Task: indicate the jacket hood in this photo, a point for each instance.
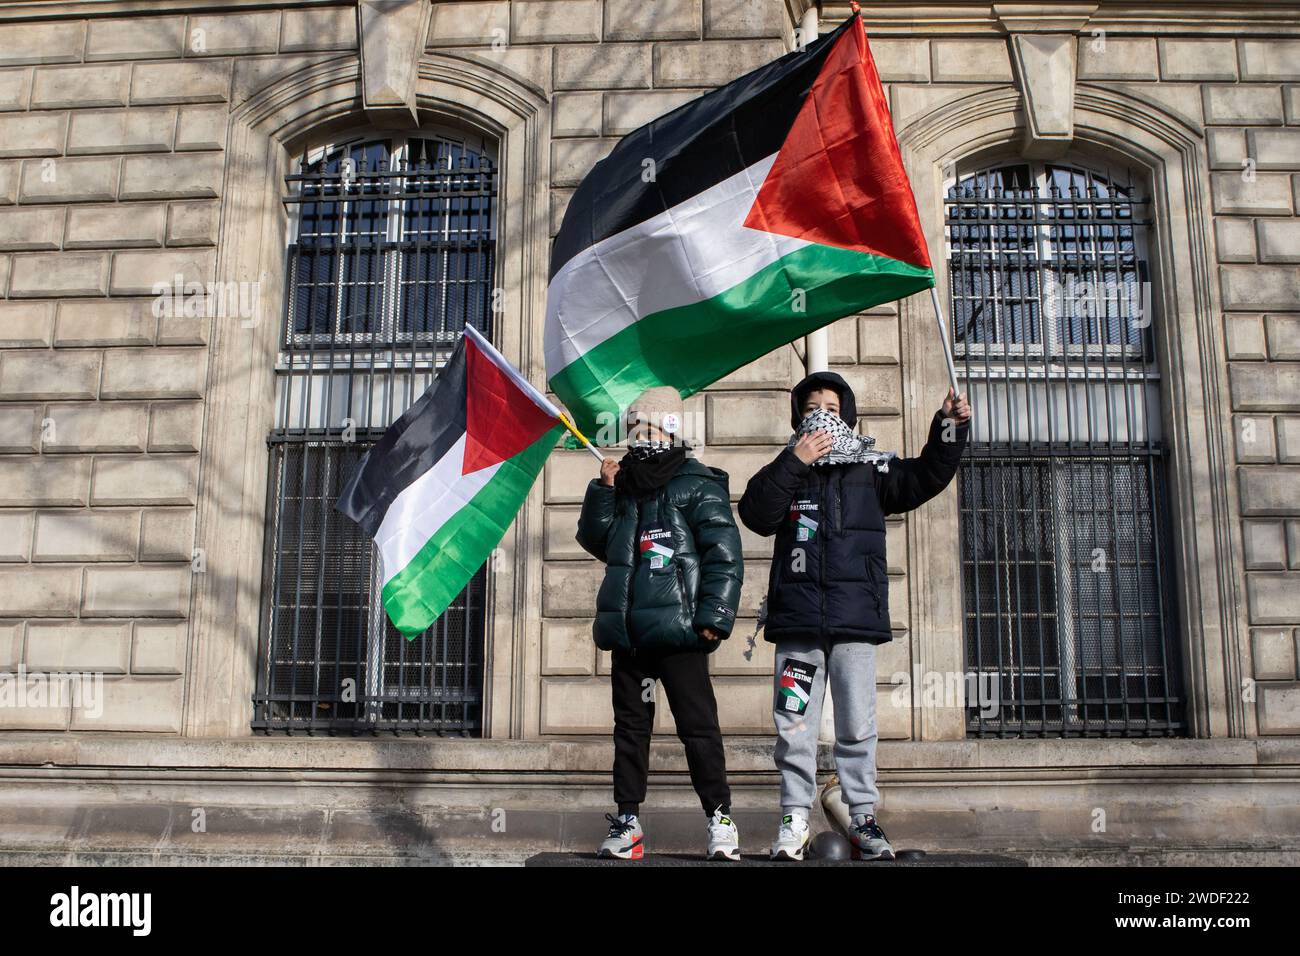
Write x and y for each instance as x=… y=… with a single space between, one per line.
x=693 y=466
x=815 y=382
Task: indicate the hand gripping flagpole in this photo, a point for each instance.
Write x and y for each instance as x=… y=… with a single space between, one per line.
x=581 y=437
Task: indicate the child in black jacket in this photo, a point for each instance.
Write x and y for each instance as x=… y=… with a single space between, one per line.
x=825 y=498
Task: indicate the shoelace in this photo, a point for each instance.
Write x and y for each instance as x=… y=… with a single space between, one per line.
x=787 y=829
x=872 y=829
x=618 y=826
x=720 y=824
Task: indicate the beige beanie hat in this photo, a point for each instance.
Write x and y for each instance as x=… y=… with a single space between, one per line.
x=661 y=407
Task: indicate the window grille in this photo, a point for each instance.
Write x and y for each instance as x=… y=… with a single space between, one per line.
x=392 y=253
x=1068 y=623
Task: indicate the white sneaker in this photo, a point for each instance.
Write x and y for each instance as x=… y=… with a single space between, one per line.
x=724 y=838
x=792 y=838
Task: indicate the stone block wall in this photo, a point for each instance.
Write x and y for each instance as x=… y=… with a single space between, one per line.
x=113 y=138
x=1243 y=94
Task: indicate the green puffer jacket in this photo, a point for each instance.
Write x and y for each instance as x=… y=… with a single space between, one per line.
x=672 y=561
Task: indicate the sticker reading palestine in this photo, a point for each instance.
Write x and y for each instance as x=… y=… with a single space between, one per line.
x=796 y=686
x=654 y=547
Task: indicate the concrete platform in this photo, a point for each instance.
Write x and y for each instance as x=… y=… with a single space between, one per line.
x=758 y=859
x=114 y=799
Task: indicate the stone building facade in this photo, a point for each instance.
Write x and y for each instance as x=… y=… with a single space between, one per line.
x=143 y=141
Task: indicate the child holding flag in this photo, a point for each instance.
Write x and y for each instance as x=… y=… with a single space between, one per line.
x=825 y=497
x=662 y=524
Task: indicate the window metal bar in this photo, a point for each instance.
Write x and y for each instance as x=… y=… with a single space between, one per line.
x=1123 y=318
x=990 y=234
x=326 y=473
x=1089 y=225
x=1042 y=521
x=367 y=309
x=1104 y=314
x=1074 y=254
x=305 y=423
x=1023 y=288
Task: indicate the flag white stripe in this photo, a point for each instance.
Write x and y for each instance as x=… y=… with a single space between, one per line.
x=692 y=252
x=424 y=506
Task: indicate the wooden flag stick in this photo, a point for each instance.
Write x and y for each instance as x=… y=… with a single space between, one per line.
x=581 y=437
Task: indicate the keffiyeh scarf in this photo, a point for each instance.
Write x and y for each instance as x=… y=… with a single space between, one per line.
x=846 y=447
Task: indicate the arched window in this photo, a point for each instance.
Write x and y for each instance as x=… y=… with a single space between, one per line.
x=1067 y=610
x=392 y=252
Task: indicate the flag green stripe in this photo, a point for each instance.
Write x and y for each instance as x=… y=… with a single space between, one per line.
x=694 y=345
x=422 y=590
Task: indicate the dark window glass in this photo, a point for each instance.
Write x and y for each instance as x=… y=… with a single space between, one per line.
x=1068 y=623
x=393 y=254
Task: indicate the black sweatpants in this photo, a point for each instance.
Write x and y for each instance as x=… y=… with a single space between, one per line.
x=685 y=677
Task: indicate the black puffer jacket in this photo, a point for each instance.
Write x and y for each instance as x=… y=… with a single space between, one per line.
x=672 y=561
x=828 y=577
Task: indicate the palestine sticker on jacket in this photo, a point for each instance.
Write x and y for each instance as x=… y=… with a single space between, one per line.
x=656 y=547
x=796 y=686
x=444 y=482
x=805 y=525
x=678 y=251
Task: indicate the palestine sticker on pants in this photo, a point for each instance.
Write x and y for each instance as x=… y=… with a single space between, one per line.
x=796 y=686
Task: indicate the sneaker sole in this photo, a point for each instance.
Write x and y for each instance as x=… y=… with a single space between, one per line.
x=794 y=856
x=857 y=854
x=632 y=853
x=732 y=854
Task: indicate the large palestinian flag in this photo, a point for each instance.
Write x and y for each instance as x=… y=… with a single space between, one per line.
x=732 y=225
x=441 y=486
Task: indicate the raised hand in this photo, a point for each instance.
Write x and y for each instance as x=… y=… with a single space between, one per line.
x=956 y=407
x=608 y=469
x=812 y=446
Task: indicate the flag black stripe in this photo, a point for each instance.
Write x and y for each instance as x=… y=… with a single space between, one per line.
x=696 y=146
x=412 y=445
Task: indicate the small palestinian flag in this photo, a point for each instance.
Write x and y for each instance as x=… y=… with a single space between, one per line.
x=657 y=554
x=734 y=224
x=439 y=489
x=805 y=527
x=796 y=686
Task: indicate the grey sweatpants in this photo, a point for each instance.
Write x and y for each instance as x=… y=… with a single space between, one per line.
x=801 y=672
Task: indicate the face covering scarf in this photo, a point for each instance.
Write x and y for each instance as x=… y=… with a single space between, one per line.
x=647 y=466
x=846 y=447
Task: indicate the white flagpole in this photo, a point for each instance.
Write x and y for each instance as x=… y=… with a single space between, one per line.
x=943 y=337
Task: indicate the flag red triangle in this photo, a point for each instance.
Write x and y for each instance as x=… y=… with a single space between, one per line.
x=838 y=179
x=500 y=419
